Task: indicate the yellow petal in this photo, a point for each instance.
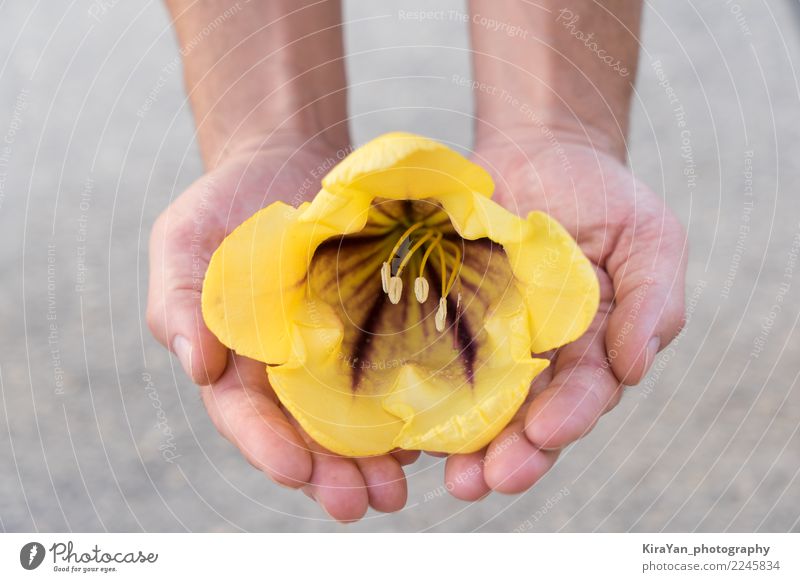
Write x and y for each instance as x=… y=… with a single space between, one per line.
x=442 y=415
x=404 y=166
x=475 y=217
x=557 y=280
x=255 y=281
x=318 y=392
x=385 y=377
x=361 y=375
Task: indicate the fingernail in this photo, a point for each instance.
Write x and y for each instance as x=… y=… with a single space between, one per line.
x=652 y=350
x=183 y=349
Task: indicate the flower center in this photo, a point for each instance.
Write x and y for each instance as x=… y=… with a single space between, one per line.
x=428 y=241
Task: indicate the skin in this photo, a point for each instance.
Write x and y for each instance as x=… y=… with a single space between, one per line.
x=268 y=94
x=636 y=244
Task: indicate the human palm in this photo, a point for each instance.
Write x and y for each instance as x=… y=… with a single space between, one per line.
x=639 y=251
x=624 y=229
x=235 y=389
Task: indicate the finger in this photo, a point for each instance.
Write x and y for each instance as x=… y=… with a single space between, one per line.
x=648 y=266
x=242 y=407
x=512 y=463
x=582 y=389
x=174 y=316
x=337 y=485
x=405 y=457
x=463 y=476
x=386 y=482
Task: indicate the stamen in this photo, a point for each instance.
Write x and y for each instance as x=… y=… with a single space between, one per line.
x=443 y=267
x=438 y=237
x=441 y=315
x=456 y=265
x=421 y=289
x=386 y=272
x=434 y=241
x=414 y=248
x=403 y=238
x=395 y=289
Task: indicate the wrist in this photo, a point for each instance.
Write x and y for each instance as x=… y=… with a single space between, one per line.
x=263 y=68
x=568 y=68
x=273 y=102
x=550 y=132
x=286 y=143
x=285 y=131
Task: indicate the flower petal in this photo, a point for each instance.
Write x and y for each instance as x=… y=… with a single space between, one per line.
x=380 y=376
x=442 y=416
x=254 y=281
x=318 y=393
x=558 y=282
x=361 y=375
x=405 y=166
x=475 y=217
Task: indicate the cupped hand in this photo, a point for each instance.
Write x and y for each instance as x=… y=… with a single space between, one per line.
x=235 y=389
x=639 y=250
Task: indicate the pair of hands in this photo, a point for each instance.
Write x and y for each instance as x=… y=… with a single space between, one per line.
x=634 y=241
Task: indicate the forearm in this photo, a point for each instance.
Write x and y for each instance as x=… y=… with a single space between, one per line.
x=257 y=67
x=569 y=66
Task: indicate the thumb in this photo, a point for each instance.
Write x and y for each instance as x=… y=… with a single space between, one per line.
x=177 y=267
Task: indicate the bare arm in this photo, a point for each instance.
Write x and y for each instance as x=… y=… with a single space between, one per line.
x=256 y=67
x=572 y=62
x=267 y=87
x=554 y=82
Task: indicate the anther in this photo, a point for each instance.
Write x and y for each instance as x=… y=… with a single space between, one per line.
x=441 y=315
x=395 y=289
x=386 y=272
x=421 y=288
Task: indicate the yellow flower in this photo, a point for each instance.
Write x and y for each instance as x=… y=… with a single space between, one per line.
x=400 y=307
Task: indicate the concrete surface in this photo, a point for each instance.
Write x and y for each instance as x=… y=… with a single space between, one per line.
x=709 y=442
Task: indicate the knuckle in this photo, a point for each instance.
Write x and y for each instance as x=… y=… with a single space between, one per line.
x=155 y=320
x=678 y=325
x=157 y=231
x=674 y=315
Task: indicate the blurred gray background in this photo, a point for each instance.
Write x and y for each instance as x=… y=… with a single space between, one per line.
x=97 y=138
